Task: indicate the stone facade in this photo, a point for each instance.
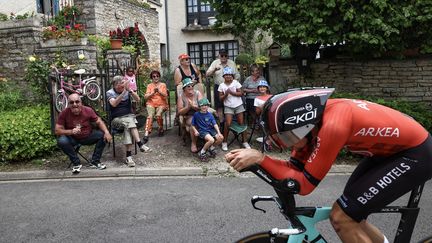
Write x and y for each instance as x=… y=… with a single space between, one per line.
x=408 y=79
x=21 y=38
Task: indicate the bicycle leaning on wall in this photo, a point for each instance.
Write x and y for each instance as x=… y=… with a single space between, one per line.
x=87 y=87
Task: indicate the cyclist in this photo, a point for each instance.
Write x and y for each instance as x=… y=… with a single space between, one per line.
x=398 y=153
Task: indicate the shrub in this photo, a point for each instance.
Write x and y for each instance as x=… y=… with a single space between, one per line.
x=25 y=133
x=36 y=73
x=11 y=98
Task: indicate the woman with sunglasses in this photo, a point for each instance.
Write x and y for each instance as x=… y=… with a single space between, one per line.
x=156 y=102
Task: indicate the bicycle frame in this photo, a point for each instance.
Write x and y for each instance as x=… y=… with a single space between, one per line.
x=302 y=220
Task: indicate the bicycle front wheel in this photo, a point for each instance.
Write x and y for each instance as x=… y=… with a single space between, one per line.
x=92 y=90
x=60 y=102
x=263 y=237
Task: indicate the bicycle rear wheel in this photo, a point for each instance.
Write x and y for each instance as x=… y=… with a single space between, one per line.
x=92 y=90
x=60 y=102
x=263 y=237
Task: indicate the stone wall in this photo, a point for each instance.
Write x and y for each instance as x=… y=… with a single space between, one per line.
x=101 y=16
x=409 y=79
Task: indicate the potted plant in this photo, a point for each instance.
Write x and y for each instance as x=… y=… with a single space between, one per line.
x=116 y=39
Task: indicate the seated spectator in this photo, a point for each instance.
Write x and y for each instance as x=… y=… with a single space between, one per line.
x=123 y=117
x=74 y=127
x=250 y=88
x=187 y=105
x=263 y=96
x=156 y=102
x=204 y=125
x=230 y=93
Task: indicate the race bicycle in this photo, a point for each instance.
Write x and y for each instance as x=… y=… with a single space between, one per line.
x=302 y=220
x=87 y=87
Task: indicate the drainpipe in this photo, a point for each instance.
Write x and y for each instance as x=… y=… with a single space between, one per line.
x=166 y=30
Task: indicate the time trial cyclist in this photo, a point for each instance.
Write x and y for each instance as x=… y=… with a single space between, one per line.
x=397 y=150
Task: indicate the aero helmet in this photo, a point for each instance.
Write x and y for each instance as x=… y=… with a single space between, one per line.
x=288 y=117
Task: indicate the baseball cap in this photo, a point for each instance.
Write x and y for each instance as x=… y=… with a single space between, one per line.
x=183 y=56
x=203 y=101
x=263 y=83
x=223 y=51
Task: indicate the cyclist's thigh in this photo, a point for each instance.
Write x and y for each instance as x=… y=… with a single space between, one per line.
x=391 y=178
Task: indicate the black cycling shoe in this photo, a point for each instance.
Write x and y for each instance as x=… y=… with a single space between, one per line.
x=145 y=139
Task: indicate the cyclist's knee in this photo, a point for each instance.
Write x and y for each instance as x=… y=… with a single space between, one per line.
x=338 y=218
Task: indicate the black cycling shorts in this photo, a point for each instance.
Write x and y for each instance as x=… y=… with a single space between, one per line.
x=378 y=181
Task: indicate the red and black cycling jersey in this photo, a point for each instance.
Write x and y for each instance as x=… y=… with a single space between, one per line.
x=361 y=127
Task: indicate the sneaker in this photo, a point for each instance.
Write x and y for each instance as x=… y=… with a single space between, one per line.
x=260 y=139
x=203 y=157
x=99 y=166
x=145 y=140
x=144 y=148
x=246 y=145
x=224 y=146
x=130 y=162
x=76 y=169
x=212 y=153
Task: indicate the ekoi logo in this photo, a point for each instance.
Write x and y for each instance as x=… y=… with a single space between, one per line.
x=307 y=116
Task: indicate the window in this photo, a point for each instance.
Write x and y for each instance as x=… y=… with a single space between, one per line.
x=198 y=12
x=205 y=52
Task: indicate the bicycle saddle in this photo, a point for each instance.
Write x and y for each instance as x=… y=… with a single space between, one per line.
x=80 y=71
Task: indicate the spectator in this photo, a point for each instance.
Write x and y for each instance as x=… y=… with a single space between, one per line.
x=130 y=76
x=74 y=127
x=204 y=125
x=187 y=105
x=230 y=93
x=156 y=102
x=123 y=117
x=216 y=70
x=250 y=88
x=263 y=96
x=186 y=69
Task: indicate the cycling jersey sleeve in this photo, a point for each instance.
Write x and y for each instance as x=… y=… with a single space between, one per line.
x=317 y=161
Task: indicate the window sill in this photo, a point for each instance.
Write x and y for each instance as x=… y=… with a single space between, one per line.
x=195 y=28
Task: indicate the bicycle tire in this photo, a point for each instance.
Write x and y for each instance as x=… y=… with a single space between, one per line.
x=92 y=90
x=262 y=237
x=60 y=102
x=426 y=240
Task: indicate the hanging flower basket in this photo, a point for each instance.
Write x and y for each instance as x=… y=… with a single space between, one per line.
x=116 y=44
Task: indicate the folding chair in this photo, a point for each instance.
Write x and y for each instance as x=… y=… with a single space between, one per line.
x=115 y=131
x=77 y=148
x=237 y=130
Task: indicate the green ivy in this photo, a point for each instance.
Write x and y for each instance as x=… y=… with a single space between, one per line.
x=25 y=134
x=36 y=73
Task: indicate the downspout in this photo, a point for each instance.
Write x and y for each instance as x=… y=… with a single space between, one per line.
x=166 y=30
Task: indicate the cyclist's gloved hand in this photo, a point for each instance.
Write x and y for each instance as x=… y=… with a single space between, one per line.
x=240 y=159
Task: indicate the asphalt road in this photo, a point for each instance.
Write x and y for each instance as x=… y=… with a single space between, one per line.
x=193 y=209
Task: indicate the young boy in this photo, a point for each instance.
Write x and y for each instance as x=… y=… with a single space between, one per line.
x=204 y=125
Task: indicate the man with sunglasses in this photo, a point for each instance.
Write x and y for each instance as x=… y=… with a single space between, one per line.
x=397 y=151
x=74 y=126
x=216 y=71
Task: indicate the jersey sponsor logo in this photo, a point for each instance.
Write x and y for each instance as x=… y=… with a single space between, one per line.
x=378 y=132
x=315 y=151
x=304 y=117
x=384 y=182
x=361 y=104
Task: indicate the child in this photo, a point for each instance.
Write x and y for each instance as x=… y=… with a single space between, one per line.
x=204 y=125
x=231 y=94
x=130 y=76
x=263 y=96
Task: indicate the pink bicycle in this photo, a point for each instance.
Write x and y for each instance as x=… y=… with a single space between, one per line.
x=87 y=87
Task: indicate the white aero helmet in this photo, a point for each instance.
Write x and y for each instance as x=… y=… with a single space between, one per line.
x=288 y=117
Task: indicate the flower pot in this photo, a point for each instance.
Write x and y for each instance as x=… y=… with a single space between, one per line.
x=116 y=44
x=63 y=42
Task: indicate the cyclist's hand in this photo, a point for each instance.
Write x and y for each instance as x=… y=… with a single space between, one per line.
x=240 y=159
